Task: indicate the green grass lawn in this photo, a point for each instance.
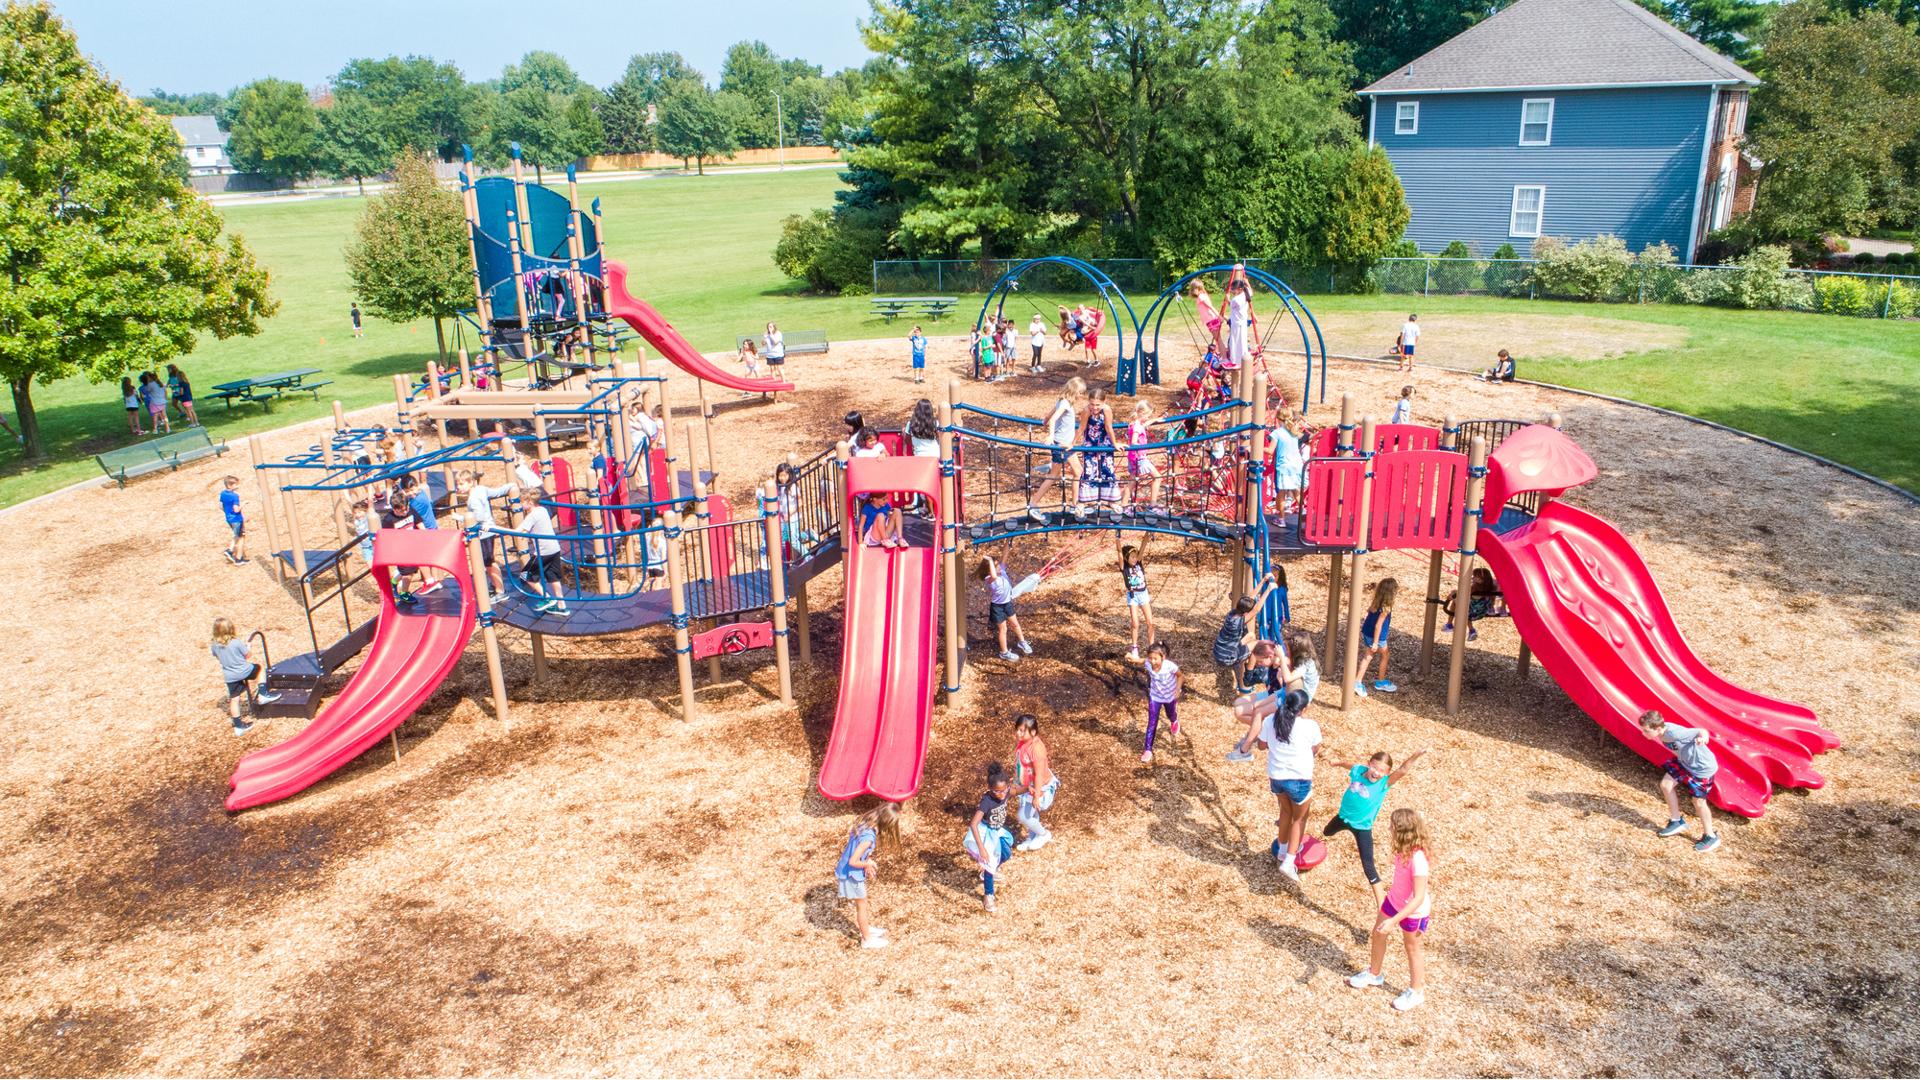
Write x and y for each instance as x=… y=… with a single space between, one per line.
x=700 y=250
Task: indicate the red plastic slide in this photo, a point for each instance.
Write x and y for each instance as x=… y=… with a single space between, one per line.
x=667 y=341
x=880 y=727
x=1585 y=602
x=413 y=651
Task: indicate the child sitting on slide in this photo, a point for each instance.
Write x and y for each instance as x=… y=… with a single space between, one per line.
x=880 y=521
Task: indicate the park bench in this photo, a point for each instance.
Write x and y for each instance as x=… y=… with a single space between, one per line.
x=165 y=452
x=797 y=341
x=930 y=306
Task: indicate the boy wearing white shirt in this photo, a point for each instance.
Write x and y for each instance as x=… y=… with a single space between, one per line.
x=1409 y=333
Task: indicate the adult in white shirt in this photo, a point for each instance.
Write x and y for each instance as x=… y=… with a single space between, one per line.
x=1293 y=742
x=1409 y=334
x=544 y=569
x=1037 y=337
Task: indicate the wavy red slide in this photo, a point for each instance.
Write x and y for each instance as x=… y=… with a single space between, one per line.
x=667 y=341
x=1586 y=604
x=412 y=653
x=885 y=714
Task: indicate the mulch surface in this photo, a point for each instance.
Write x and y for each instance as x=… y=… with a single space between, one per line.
x=607 y=888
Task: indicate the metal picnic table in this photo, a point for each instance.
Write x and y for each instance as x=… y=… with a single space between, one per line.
x=264 y=388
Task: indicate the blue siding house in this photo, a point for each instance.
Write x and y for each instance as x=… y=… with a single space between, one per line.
x=1565 y=118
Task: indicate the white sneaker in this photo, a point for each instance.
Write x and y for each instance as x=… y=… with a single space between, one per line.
x=1289 y=869
x=1025 y=648
x=1009 y=654
x=1360 y=689
x=1365 y=980
x=266 y=697
x=1024 y=845
x=1408 y=999
x=874 y=941
x=1133 y=654
x=1043 y=841
x=1238 y=754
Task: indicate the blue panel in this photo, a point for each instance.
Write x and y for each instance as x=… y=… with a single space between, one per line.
x=1625 y=162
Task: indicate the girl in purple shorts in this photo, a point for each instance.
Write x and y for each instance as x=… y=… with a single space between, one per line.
x=1410 y=904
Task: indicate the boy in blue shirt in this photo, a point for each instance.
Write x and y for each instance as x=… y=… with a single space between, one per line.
x=1692 y=766
x=236 y=552
x=918 y=342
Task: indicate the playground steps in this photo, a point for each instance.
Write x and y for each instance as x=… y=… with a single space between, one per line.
x=300 y=680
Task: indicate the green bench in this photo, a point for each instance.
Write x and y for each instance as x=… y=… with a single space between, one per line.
x=797 y=341
x=895 y=306
x=165 y=452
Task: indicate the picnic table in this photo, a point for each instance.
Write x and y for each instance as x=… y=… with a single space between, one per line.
x=931 y=306
x=264 y=388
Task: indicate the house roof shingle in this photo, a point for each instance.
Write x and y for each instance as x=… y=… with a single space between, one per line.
x=199 y=131
x=1565 y=43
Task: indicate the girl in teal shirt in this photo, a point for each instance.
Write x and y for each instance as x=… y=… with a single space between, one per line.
x=1366 y=793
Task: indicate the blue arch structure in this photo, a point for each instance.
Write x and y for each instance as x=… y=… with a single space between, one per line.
x=551 y=225
x=1312 y=343
x=1127 y=375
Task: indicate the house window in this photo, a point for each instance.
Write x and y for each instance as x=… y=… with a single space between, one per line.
x=1536 y=122
x=1721 y=210
x=1529 y=210
x=1406 y=118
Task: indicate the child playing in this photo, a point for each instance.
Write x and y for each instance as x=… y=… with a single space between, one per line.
x=917 y=344
x=1062 y=428
x=363 y=525
x=154 y=393
x=1410 y=903
x=1366 y=792
x=240 y=672
x=1001 y=593
x=1403 y=408
x=472 y=485
x=1502 y=369
x=1037 y=338
x=987 y=839
x=1373 y=637
x=1097 y=482
x=543 y=567
x=1140 y=463
x=1692 y=766
x=1033 y=772
x=880 y=825
x=399 y=515
x=750 y=361
x=1133 y=578
x=1289 y=463
x=236 y=552
x=988 y=372
x=1292 y=739
x=1480 y=601
x=880 y=521
x=131 y=397
x=1409 y=334
x=1234 y=644
x=182 y=393
x=1164 y=684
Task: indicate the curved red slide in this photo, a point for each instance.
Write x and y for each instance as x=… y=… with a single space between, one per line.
x=412 y=652
x=880 y=726
x=1586 y=604
x=663 y=337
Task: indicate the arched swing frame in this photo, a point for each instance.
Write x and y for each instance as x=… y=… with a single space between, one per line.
x=1110 y=293
x=1312 y=343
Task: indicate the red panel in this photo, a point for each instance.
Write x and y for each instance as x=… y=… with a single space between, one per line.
x=1332 y=516
x=720 y=541
x=560 y=489
x=1419 y=500
x=1388 y=438
x=1324 y=444
x=657 y=475
x=733 y=638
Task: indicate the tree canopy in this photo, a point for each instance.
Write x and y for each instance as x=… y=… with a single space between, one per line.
x=352 y=142
x=409 y=258
x=274 y=129
x=112 y=264
x=695 y=123
x=422 y=103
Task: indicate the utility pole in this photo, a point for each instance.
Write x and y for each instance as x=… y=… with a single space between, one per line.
x=780 y=127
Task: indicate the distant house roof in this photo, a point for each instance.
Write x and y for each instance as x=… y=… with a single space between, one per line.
x=199 y=131
x=1565 y=44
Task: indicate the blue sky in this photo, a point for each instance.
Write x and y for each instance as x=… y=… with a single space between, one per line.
x=190 y=45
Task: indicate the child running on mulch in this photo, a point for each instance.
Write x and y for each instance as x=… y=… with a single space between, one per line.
x=1164 y=683
x=1360 y=805
x=858 y=862
x=988 y=840
x=1693 y=767
x=236 y=520
x=1410 y=903
x=1033 y=772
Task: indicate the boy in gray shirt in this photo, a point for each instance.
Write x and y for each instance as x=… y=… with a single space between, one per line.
x=1692 y=766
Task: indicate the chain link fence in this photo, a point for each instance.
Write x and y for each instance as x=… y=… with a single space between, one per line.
x=1877 y=296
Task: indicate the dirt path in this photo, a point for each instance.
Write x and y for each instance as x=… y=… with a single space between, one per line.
x=609 y=889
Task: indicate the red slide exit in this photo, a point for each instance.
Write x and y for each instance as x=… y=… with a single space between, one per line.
x=413 y=651
x=881 y=725
x=667 y=341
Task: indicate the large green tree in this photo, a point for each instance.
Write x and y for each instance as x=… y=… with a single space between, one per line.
x=274 y=130
x=422 y=103
x=353 y=143
x=204 y=103
x=1385 y=34
x=409 y=258
x=628 y=111
x=1835 y=124
x=696 y=124
x=112 y=265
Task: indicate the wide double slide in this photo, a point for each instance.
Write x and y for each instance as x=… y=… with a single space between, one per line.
x=1586 y=603
x=413 y=651
x=881 y=725
x=660 y=334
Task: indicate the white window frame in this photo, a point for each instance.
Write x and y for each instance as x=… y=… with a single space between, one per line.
x=1539 y=213
x=1400 y=113
x=1524 y=141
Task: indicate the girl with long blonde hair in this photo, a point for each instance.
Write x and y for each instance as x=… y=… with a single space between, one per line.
x=1409 y=903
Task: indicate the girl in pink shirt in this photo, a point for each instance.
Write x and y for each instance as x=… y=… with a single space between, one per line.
x=1410 y=903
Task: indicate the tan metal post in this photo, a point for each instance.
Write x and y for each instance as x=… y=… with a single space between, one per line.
x=949 y=541
x=1449 y=433
x=1356 y=594
x=520 y=204
x=519 y=293
x=269 y=494
x=1469 y=537
x=470 y=206
x=402 y=419
x=842 y=454
x=677 y=595
x=483 y=597
x=466 y=376
x=706 y=423
x=339 y=416
x=777 y=586
x=539 y=641
x=1342 y=447
x=296 y=547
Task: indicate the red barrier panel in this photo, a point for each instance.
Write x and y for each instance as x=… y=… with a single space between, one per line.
x=1419 y=500
x=1390 y=438
x=733 y=638
x=1332 y=514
